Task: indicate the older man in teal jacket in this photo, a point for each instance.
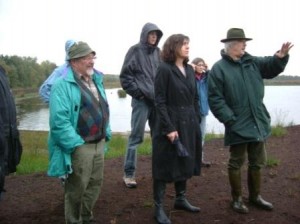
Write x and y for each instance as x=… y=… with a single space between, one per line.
x=235 y=95
x=79 y=127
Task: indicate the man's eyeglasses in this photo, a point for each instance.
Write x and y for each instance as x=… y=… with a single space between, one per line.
x=89 y=58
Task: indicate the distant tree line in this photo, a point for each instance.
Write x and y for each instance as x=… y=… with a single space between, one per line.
x=283 y=80
x=27 y=73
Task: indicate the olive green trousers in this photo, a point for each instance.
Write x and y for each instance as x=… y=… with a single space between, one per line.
x=256 y=155
x=83 y=186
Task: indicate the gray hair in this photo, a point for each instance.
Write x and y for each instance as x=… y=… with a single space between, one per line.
x=228 y=45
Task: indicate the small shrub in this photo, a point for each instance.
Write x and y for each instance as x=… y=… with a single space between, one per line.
x=280 y=117
x=278 y=129
x=121 y=93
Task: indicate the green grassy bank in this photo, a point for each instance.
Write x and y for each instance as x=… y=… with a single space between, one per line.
x=35 y=152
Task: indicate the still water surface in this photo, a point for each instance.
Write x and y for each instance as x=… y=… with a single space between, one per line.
x=283 y=103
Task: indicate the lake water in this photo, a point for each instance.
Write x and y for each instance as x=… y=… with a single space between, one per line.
x=283 y=103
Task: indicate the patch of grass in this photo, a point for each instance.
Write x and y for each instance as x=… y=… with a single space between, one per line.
x=35 y=154
x=33 y=163
x=211 y=136
x=271 y=162
x=35 y=150
x=34 y=140
x=118 y=144
x=146 y=147
x=278 y=131
x=116 y=147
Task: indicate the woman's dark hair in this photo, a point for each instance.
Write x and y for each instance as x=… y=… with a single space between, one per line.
x=172 y=46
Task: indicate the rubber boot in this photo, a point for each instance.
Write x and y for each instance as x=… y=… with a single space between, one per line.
x=181 y=202
x=254 y=180
x=237 y=203
x=159 y=188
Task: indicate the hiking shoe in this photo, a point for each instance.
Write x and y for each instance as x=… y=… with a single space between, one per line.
x=129 y=182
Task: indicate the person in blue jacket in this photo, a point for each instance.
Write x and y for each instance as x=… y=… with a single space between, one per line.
x=79 y=128
x=201 y=74
x=45 y=88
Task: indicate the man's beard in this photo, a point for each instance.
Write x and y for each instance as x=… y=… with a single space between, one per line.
x=90 y=71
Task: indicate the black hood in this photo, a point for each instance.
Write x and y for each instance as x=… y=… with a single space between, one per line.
x=148 y=27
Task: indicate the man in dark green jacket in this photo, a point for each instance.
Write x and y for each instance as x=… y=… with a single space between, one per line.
x=235 y=94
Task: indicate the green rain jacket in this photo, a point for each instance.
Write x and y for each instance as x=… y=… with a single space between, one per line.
x=64 y=111
x=236 y=92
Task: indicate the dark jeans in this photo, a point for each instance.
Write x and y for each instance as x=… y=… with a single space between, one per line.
x=141 y=113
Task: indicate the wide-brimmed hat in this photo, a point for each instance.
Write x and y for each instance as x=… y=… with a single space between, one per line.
x=79 y=49
x=235 y=34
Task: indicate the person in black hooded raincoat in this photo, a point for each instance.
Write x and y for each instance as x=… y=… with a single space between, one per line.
x=10 y=146
x=137 y=79
x=176 y=126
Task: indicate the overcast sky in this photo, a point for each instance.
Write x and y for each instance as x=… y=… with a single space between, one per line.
x=39 y=28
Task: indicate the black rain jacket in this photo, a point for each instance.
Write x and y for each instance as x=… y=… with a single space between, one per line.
x=140 y=64
x=10 y=146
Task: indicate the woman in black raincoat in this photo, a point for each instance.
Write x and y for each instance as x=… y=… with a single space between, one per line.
x=176 y=136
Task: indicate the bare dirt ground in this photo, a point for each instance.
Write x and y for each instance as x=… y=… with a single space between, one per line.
x=36 y=198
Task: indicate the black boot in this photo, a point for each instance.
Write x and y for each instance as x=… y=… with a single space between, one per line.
x=254 y=179
x=181 y=202
x=158 y=194
x=237 y=203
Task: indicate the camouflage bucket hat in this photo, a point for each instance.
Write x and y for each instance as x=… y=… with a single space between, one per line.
x=79 y=49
